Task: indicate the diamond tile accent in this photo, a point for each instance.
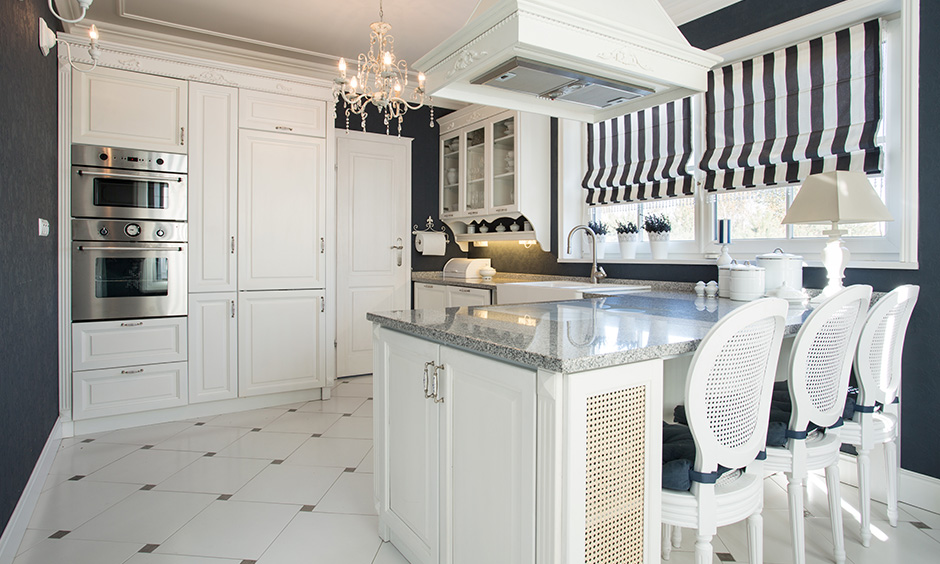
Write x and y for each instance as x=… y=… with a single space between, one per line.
x=148 y=548
x=200 y=423
x=725 y=556
x=148 y=487
x=920 y=525
x=88 y=441
x=59 y=534
x=76 y=478
x=256 y=430
x=146 y=447
x=308 y=508
x=225 y=497
x=277 y=462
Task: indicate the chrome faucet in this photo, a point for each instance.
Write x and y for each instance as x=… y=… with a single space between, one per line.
x=597 y=272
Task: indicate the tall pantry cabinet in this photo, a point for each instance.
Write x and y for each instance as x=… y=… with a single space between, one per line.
x=257 y=236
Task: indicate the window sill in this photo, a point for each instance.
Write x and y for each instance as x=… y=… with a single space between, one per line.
x=687 y=260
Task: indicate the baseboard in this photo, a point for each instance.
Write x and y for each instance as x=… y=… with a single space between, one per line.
x=913 y=488
x=16 y=527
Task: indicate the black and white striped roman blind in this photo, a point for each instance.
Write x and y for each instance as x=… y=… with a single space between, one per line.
x=640 y=156
x=810 y=108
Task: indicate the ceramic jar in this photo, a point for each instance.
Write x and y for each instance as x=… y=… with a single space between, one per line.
x=747 y=282
x=781 y=268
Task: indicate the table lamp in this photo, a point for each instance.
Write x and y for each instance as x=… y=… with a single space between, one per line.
x=834 y=198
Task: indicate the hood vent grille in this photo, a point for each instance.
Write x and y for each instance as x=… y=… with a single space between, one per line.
x=554 y=83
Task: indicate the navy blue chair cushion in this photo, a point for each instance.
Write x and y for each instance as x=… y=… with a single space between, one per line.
x=678 y=456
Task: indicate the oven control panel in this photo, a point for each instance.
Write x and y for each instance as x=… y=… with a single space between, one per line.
x=129 y=230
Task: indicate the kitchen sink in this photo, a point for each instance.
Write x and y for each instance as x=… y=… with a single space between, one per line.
x=554 y=290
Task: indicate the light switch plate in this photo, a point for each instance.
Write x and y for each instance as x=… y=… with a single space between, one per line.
x=43 y=227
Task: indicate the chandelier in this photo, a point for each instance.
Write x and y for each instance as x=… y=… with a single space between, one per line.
x=380 y=80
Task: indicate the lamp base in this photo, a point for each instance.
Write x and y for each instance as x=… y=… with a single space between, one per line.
x=835 y=256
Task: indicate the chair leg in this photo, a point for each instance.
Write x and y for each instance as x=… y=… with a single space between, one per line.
x=835 y=512
x=703 y=549
x=891 y=464
x=676 y=537
x=666 y=547
x=795 y=497
x=755 y=538
x=863 y=467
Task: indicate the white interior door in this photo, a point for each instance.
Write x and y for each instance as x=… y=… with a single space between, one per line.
x=373 y=201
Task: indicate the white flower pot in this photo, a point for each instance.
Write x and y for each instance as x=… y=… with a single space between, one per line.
x=627 y=245
x=659 y=245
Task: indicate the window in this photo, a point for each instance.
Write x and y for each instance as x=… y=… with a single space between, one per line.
x=757 y=211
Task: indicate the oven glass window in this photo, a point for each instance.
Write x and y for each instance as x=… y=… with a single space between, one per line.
x=125 y=193
x=131 y=277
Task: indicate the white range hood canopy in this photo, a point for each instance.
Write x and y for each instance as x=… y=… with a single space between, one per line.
x=588 y=60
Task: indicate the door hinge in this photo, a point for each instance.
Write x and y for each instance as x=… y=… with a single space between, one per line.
x=233 y=309
x=335 y=344
x=322 y=304
x=322 y=245
x=233 y=244
x=182 y=136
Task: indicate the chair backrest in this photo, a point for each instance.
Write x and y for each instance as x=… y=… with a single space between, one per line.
x=730 y=383
x=878 y=360
x=821 y=358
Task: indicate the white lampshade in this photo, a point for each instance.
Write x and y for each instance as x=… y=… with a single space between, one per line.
x=837 y=197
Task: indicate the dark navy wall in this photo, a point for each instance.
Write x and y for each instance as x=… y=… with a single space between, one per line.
x=920 y=450
x=29 y=383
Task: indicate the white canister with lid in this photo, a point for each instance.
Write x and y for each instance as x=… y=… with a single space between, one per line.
x=781 y=268
x=724 y=279
x=747 y=282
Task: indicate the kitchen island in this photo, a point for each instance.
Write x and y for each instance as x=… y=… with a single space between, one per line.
x=529 y=433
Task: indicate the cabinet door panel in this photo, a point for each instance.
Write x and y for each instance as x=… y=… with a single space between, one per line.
x=281 y=114
x=407 y=456
x=281 y=208
x=213 y=341
x=430 y=296
x=458 y=297
x=109 y=344
x=490 y=466
x=128 y=109
x=213 y=180
x=114 y=391
x=280 y=342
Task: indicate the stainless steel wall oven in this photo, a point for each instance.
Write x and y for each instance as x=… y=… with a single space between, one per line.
x=129 y=234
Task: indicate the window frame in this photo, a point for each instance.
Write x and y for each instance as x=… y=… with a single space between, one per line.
x=897 y=250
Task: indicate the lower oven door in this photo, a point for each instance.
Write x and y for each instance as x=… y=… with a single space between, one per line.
x=128 y=280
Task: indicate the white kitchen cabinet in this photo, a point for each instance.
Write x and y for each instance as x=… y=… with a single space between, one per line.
x=117 y=108
x=281 y=114
x=460 y=465
x=110 y=344
x=281 y=341
x=439 y=296
x=213 y=184
x=430 y=296
x=213 y=347
x=130 y=389
x=281 y=211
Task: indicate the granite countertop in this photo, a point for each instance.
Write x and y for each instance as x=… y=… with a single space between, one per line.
x=436 y=277
x=573 y=336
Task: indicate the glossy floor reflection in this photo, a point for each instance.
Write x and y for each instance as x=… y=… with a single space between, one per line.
x=294 y=484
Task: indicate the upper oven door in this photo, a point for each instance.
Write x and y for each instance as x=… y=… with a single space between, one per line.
x=128 y=194
x=115 y=280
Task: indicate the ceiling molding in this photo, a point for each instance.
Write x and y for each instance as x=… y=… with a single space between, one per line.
x=684 y=11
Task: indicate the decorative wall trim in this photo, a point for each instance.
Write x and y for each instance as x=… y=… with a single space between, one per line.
x=16 y=527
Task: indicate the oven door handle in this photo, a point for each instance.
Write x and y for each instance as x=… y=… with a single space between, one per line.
x=135 y=249
x=129 y=176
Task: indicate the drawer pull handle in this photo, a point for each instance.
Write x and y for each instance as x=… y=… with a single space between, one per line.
x=283 y=128
x=138 y=371
x=465 y=290
x=134 y=324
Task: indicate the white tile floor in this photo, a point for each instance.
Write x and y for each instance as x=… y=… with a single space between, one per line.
x=294 y=484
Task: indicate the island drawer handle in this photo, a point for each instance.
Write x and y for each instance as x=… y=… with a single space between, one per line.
x=426 y=378
x=437 y=369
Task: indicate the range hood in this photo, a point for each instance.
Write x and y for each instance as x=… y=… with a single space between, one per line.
x=587 y=60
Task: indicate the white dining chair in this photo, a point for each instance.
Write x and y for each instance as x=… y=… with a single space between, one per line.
x=818 y=378
x=878 y=376
x=727 y=398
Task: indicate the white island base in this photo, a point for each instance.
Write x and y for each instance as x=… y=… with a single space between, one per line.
x=482 y=460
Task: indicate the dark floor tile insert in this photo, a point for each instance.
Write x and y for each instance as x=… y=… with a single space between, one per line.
x=148 y=548
x=256 y=430
x=368 y=398
x=146 y=447
x=277 y=462
x=59 y=534
x=88 y=441
x=349 y=470
x=148 y=487
x=249 y=562
x=725 y=556
x=308 y=508
x=920 y=524
x=316 y=435
x=76 y=478
x=347 y=415
x=200 y=423
x=291 y=410
x=225 y=497
x=210 y=454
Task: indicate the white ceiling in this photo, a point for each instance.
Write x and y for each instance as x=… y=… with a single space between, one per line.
x=306 y=31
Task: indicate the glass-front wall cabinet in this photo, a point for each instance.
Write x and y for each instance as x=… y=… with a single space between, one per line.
x=450 y=175
x=479 y=168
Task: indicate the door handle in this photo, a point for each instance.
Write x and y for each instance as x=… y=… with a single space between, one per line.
x=427 y=365
x=398 y=246
x=437 y=397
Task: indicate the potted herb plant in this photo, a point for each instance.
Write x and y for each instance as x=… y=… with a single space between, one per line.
x=657 y=229
x=600 y=231
x=627 y=235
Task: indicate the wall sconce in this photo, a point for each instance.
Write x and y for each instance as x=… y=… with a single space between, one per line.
x=83 y=4
x=48 y=40
x=527 y=243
